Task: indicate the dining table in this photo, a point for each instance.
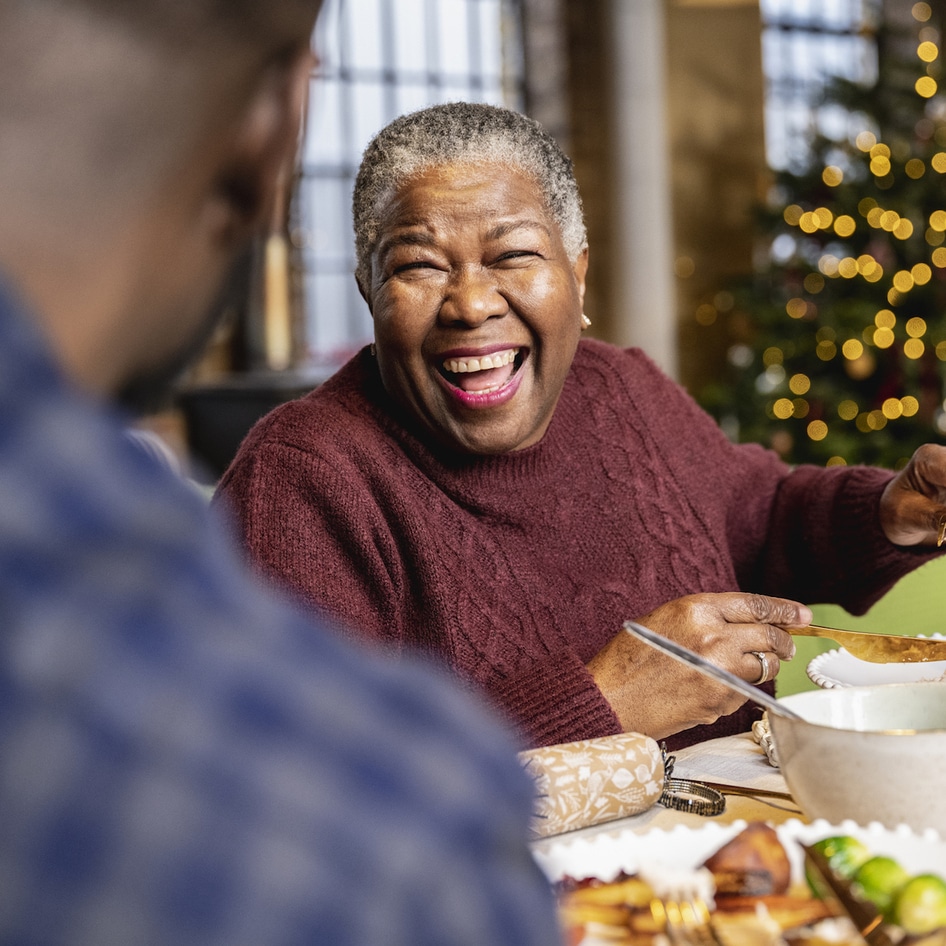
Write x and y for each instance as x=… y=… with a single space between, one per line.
x=738 y=761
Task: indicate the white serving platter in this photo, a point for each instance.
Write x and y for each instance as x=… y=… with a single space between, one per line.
x=837 y=668
x=605 y=855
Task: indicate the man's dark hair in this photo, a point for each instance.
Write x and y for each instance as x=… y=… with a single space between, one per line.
x=108 y=90
x=193 y=23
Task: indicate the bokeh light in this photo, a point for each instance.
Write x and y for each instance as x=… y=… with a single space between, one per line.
x=903 y=280
x=844 y=225
x=799 y=384
x=904 y=229
x=852 y=349
x=892 y=408
x=813 y=283
x=796 y=308
x=706 y=314
x=847 y=410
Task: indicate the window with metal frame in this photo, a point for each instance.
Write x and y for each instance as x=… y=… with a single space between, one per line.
x=805 y=43
x=380 y=59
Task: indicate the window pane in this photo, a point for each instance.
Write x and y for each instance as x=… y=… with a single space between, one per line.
x=806 y=43
x=411 y=97
x=372 y=108
x=361 y=29
x=454 y=91
x=410 y=37
x=379 y=59
x=328 y=35
x=323 y=142
x=453 y=37
x=324 y=216
x=490 y=38
x=337 y=320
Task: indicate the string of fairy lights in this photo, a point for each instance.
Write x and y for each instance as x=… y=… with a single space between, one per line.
x=831 y=231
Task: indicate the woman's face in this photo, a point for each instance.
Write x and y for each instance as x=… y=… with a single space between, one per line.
x=476 y=306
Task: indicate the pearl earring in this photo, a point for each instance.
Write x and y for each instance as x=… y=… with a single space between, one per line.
x=585 y=321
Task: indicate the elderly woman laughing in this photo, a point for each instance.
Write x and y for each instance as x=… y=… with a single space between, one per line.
x=483 y=485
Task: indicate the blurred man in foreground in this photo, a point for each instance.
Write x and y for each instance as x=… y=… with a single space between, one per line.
x=182 y=760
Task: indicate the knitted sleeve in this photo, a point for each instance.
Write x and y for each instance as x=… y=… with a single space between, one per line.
x=825 y=542
x=555 y=700
x=317 y=533
x=808 y=533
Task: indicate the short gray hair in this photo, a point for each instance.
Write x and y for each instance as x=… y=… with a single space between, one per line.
x=465 y=132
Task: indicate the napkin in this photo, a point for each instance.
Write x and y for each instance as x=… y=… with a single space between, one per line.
x=591 y=781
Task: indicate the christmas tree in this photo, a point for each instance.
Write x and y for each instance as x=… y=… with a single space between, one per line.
x=837 y=342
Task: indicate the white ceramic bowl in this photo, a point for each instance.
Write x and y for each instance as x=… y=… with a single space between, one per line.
x=838 y=668
x=872 y=753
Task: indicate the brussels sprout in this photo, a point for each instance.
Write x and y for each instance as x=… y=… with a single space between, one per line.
x=920 y=904
x=879 y=879
x=844 y=855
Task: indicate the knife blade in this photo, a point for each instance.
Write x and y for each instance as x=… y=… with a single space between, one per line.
x=878 y=648
x=863 y=914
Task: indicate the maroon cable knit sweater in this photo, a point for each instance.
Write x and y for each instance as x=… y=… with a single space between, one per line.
x=516 y=569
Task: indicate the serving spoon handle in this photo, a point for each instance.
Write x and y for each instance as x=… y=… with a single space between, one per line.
x=878 y=648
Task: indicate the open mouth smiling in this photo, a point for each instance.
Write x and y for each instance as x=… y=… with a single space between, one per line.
x=478 y=376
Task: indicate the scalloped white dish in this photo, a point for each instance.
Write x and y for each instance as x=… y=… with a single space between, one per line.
x=837 y=668
x=605 y=855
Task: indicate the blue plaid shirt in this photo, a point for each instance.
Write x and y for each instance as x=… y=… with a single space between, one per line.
x=185 y=759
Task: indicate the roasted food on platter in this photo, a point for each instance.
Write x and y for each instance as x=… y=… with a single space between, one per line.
x=752 y=898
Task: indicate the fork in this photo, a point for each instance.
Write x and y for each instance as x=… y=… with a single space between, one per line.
x=686 y=921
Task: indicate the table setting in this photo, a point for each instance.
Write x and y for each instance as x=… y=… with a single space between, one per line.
x=861 y=756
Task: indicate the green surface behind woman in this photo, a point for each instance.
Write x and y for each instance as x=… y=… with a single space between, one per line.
x=915 y=605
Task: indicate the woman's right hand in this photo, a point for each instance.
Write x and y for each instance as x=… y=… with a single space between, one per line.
x=655 y=694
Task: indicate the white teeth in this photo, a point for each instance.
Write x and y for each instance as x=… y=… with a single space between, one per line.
x=466 y=365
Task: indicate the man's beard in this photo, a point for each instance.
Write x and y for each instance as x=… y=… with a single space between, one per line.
x=150 y=391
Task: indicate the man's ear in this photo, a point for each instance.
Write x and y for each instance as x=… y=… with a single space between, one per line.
x=265 y=145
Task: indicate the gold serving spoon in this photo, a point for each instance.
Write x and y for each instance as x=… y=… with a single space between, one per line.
x=878 y=648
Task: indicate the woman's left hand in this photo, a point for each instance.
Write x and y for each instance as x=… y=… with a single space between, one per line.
x=913 y=503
